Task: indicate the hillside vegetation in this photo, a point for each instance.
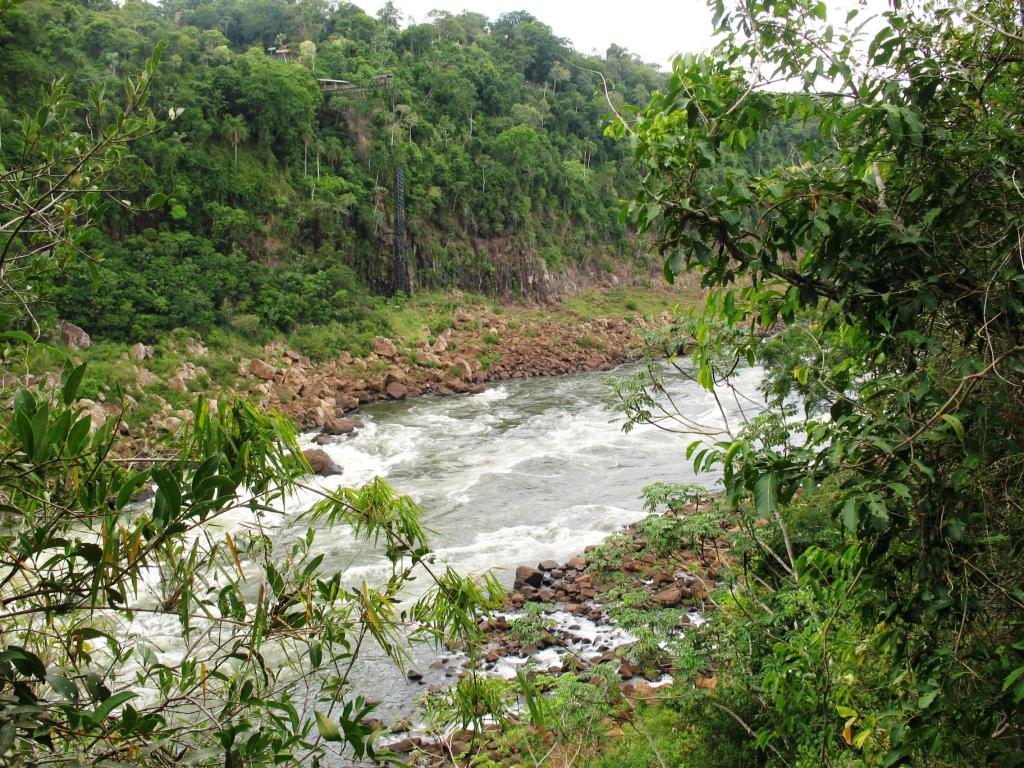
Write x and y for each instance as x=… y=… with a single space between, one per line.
x=275 y=200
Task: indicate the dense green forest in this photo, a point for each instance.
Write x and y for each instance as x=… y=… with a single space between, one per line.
x=862 y=570
x=279 y=197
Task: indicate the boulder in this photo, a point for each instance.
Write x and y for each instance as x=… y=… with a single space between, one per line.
x=74 y=337
x=339 y=426
x=261 y=370
x=528 y=577
x=669 y=596
x=169 y=424
x=346 y=402
x=145 y=378
x=321 y=463
x=396 y=390
x=462 y=368
x=141 y=351
x=384 y=347
x=195 y=347
x=404 y=746
x=548 y=565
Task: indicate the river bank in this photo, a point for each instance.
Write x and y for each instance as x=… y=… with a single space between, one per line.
x=606 y=619
x=439 y=345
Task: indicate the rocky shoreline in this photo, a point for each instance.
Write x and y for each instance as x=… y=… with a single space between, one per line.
x=478 y=347
x=560 y=618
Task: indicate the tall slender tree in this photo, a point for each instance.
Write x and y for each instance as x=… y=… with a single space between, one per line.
x=236 y=131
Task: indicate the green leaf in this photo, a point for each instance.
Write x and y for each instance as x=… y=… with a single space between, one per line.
x=851 y=515
x=24 y=403
x=274 y=580
x=328 y=730
x=109 y=705
x=316 y=654
x=63 y=687
x=18 y=336
x=955 y=423
x=26 y=662
x=766 y=492
x=72 y=384
x=1012 y=678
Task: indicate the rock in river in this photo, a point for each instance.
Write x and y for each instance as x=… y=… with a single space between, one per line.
x=321 y=463
x=528 y=577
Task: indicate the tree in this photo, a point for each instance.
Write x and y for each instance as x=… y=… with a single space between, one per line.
x=307 y=52
x=235 y=131
x=887 y=261
x=267 y=631
x=389 y=15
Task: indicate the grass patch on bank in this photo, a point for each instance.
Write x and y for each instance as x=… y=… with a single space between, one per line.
x=623 y=302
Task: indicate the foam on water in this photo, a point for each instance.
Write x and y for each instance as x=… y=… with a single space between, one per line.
x=525 y=471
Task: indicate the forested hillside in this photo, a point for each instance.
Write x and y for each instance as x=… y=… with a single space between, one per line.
x=275 y=199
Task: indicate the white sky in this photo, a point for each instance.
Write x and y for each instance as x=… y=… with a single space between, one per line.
x=656 y=30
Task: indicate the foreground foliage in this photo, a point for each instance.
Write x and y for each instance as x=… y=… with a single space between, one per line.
x=185 y=629
x=877 y=619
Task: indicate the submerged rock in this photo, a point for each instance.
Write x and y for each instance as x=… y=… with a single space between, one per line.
x=339 y=426
x=321 y=463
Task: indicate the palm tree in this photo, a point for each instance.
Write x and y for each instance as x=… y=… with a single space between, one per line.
x=333 y=151
x=307 y=139
x=235 y=131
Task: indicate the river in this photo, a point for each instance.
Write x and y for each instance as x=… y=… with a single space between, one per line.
x=530 y=469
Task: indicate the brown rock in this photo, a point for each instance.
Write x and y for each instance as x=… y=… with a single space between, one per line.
x=548 y=565
x=74 y=337
x=397 y=391
x=706 y=682
x=663 y=577
x=346 y=402
x=384 y=347
x=669 y=596
x=321 y=463
x=404 y=746
x=261 y=370
x=141 y=352
x=463 y=368
x=528 y=577
x=339 y=426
